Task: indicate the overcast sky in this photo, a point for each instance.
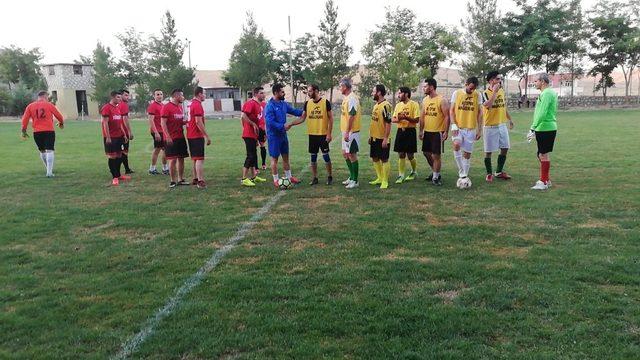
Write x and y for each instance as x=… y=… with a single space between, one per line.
x=64 y=29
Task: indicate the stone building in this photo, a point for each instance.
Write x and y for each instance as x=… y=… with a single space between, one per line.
x=70 y=86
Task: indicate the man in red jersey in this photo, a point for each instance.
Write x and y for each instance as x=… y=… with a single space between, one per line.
x=41 y=113
x=124 y=112
x=172 y=119
x=114 y=136
x=252 y=111
x=155 y=126
x=196 y=135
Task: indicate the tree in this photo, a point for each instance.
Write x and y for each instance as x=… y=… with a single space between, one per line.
x=134 y=66
x=332 y=50
x=400 y=70
x=166 y=70
x=576 y=42
x=435 y=44
x=252 y=59
x=105 y=78
x=482 y=26
x=18 y=66
x=302 y=64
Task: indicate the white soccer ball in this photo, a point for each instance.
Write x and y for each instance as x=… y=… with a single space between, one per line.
x=463 y=183
x=284 y=183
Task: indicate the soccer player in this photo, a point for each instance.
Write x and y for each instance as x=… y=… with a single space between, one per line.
x=434 y=128
x=379 y=131
x=124 y=112
x=172 y=120
x=350 y=128
x=495 y=134
x=196 y=136
x=466 y=124
x=544 y=128
x=275 y=114
x=252 y=112
x=155 y=126
x=319 y=128
x=406 y=115
x=41 y=113
x=114 y=134
x=262 y=134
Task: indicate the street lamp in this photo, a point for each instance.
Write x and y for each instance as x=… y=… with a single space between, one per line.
x=189 y=49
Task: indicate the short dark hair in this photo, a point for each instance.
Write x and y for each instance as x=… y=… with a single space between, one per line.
x=405 y=90
x=276 y=87
x=314 y=87
x=472 y=80
x=42 y=93
x=157 y=89
x=492 y=75
x=431 y=82
x=115 y=93
x=124 y=91
x=381 y=89
x=257 y=89
x=198 y=90
x=174 y=91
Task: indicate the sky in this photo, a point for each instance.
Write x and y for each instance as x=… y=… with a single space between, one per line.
x=71 y=27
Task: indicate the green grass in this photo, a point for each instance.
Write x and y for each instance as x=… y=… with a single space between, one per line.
x=498 y=271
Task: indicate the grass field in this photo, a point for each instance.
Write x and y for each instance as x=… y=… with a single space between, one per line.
x=498 y=271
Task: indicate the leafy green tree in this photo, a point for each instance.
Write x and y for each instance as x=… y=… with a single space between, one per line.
x=18 y=66
x=303 y=64
x=252 y=60
x=105 y=74
x=134 y=66
x=400 y=70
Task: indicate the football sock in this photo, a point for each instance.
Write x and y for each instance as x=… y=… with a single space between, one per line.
x=350 y=166
x=487 y=165
x=544 y=171
x=458 y=156
x=112 y=167
x=118 y=164
x=501 y=160
x=401 y=166
x=386 y=170
x=466 y=164
x=355 y=167
x=125 y=162
x=414 y=164
x=49 y=157
x=377 y=166
x=263 y=155
x=43 y=157
x=287 y=173
x=152 y=167
x=275 y=177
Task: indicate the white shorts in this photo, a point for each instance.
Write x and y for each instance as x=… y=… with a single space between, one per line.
x=466 y=138
x=353 y=145
x=496 y=138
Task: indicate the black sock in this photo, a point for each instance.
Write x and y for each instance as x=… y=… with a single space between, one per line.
x=117 y=164
x=112 y=167
x=487 y=165
x=125 y=162
x=263 y=154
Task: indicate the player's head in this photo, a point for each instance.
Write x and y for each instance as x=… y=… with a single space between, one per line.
x=542 y=81
x=258 y=93
x=404 y=93
x=471 y=84
x=430 y=86
x=116 y=97
x=177 y=95
x=379 y=92
x=43 y=94
x=158 y=95
x=278 y=91
x=198 y=93
x=125 y=95
x=345 y=86
x=313 y=91
x=494 y=77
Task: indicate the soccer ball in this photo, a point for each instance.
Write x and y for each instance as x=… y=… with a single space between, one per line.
x=284 y=183
x=463 y=183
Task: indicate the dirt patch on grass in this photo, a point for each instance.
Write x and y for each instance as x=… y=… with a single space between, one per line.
x=616 y=289
x=132 y=236
x=598 y=224
x=499 y=265
x=93 y=229
x=449 y=296
x=246 y=260
x=402 y=254
x=319 y=202
x=300 y=245
x=509 y=251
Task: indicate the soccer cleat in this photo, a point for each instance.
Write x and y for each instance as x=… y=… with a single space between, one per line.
x=50 y=175
x=115 y=182
x=346 y=182
x=384 y=185
x=125 y=177
x=194 y=182
x=201 y=184
x=294 y=180
x=172 y=185
x=411 y=176
x=183 y=182
x=154 y=172
x=258 y=179
x=429 y=178
x=352 y=185
x=375 y=182
x=437 y=181
x=129 y=171
x=540 y=186
x=165 y=172
x=399 y=179
x=489 y=178
x=314 y=181
x=329 y=180
x=247 y=182
x=503 y=175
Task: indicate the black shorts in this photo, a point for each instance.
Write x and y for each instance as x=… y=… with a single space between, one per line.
x=115 y=148
x=432 y=142
x=251 y=161
x=545 y=140
x=406 y=141
x=377 y=151
x=318 y=143
x=177 y=150
x=158 y=144
x=196 y=148
x=262 y=136
x=45 y=140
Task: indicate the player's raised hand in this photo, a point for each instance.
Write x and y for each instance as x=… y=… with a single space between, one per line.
x=496 y=87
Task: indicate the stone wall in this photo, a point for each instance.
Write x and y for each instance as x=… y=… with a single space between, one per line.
x=585 y=102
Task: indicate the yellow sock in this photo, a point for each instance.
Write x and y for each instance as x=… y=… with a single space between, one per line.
x=414 y=164
x=401 y=166
x=377 y=165
x=386 y=170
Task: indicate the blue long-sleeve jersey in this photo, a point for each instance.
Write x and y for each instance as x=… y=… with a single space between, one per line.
x=275 y=115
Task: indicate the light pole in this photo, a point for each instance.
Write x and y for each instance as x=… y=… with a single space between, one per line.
x=189 y=50
x=291 y=63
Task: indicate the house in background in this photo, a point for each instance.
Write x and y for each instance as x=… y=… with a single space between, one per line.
x=70 y=86
x=223 y=97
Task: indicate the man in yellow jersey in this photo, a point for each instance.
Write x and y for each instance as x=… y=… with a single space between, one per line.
x=317 y=112
x=434 y=128
x=350 y=128
x=406 y=115
x=466 y=124
x=379 y=131
x=495 y=134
